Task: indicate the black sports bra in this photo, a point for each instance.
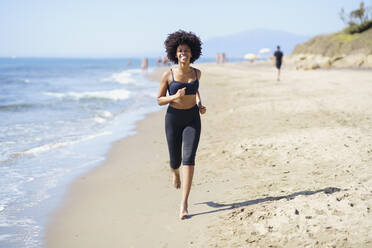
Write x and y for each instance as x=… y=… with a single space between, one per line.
x=191 y=88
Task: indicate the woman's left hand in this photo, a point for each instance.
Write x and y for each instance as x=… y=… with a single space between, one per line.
x=202 y=109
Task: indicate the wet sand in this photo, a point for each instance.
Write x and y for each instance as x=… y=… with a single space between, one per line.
x=280 y=164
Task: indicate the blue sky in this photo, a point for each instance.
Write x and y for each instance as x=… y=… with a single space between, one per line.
x=120 y=28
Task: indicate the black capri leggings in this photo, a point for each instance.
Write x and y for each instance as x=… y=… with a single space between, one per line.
x=182 y=125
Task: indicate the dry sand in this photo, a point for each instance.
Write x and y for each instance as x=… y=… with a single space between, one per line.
x=280 y=164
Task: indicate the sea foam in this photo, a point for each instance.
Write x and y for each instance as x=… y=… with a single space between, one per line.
x=124 y=77
x=121 y=78
x=47 y=147
x=103 y=116
x=109 y=94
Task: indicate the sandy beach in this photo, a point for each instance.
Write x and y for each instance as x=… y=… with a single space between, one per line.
x=279 y=164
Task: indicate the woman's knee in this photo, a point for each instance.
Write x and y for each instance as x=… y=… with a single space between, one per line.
x=175 y=163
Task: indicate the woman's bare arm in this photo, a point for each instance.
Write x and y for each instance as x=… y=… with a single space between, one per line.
x=202 y=108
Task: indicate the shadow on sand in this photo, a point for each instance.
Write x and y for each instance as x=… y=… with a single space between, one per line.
x=223 y=207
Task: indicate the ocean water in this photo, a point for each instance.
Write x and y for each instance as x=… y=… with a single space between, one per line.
x=58 y=118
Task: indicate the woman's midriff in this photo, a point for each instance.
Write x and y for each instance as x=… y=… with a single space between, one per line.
x=184 y=102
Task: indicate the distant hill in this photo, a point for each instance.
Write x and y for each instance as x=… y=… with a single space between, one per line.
x=335 y=50
x=251 y=41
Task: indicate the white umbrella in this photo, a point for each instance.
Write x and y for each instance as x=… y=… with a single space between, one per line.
x=264 y=50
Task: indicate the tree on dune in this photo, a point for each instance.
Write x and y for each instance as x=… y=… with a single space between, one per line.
x=358 y=20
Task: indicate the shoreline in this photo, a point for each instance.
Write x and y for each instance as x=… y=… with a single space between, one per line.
x=75 y=112
x=267 y=149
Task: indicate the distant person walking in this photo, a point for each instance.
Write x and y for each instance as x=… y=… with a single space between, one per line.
x=182 y=120
x=218 y=56
x=165 y=60
x=278 y=56
x=159 y=61
x=223 y=58
x=144 y=64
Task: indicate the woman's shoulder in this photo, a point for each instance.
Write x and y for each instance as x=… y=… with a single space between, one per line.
x=198 y=72
x=196 y=69
x=166 y=75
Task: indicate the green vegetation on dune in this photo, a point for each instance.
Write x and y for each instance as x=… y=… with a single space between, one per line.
x=358 y=20
x=344 y=37
x=355 y=29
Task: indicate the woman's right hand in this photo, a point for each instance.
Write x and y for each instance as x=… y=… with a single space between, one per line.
x=181 y=92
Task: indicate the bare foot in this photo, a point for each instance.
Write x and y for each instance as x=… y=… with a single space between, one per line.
x=176 y=179
x=183 y=211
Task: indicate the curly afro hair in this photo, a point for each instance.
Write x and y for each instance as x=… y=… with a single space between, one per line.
x=180 y=38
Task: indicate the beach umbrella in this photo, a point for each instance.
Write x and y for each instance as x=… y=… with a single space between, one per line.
x=264 y=50
x=250 y=56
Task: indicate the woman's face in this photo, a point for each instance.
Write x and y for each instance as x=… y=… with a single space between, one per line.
x=183 y=53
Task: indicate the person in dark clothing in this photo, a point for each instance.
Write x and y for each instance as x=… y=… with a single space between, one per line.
x=278 y=56
x=182 y=120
